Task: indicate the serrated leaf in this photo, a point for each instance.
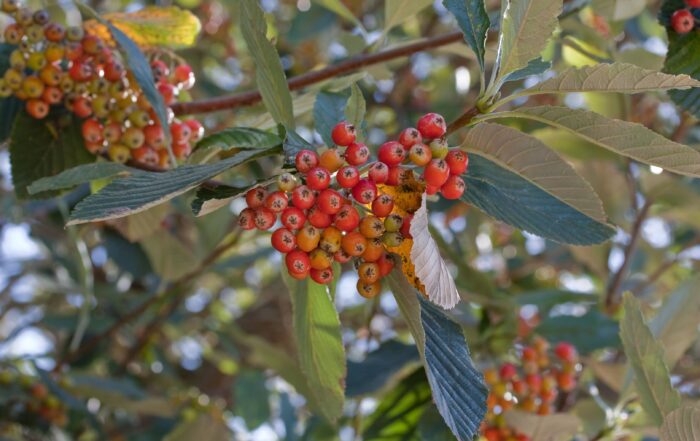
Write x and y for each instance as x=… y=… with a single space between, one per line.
x=474 y=22
x=676 y=323
x=681 y=425
x=169 y=257
x=137 y=193
x=373 y=373
x=530 y=158
x=167 y=26
x=80 y=175
x=555 y=427
x=318 y=337
x=355 y=110
x=240 y=137
x=431 y=269
x=625 y=138
x=646 y=356
x=514 y=200
x=269 y=73
x=526 y=26
x=398 y=11
x=329 y=110
x=612 y=77
x=42 y=148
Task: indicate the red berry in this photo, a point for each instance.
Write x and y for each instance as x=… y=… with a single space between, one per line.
x=81 y=107
x=183 y=73
x=343 y=134
x=114 y=71
x=181 y=150
x=348 y=176
x=341 y=256
x=196 y=129
x=566 y=352
x=365 y=191
x=318 y=178
x=255 y=197
x=347 y=219
x=529 y=354
x=246 y=219
x=264 y=218
x=293 y=218
x=420 y=154
x=303 y=197
x=145 y=155
x=276 y=201
x=38 y=109
x=378 y=172
x=410 y=137
x=155 y=137
x=432 y=125
x=436 y=172
x=391 y=153
x=357 y=154
x=298 y=262
x=693 y=3
x=318 y=218
x=283 y=240
x=160 y=70
x=406 y=226
x=682 y=21
x=431 y=190
x=453 y=188
x=398 y=175
x=305 y=160
x=80 y=71
x=457 y=160
x=168 y=92
x=329 y=201
x=322 y=276
x=534 y=381
x=382 y=205
x=507 y=371
x=386 y=264
x=180 y=132
x=92 y=130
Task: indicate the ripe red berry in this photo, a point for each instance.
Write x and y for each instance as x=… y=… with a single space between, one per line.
x=457 y=160
x=431 y=126
x=431 y=190
x=529 y=354
x=357 y=154
x=293 y=218
x=406 y=226
x=341 y=256
x=347 y=219
x=682 y=21
x=196 y=128
x=264 y=218
x=507 y=371
x=37 y=108
x=183 y=73
x=298 y=262
x=92 y=130
x=453 y=188
x=420 y=154
x=168 y=92
x=322 y=276
x=255 y=197
x=693 y=3
x=246 y=219
x=331 y=160
x=365 y=191
x=81 y=107
x=566 y=352
x=180 y=132
x=318 y=218
x=343 y=134
x=436 y=172
x=409 y=137
x=391 y=153
x=378 y=172
x=305 y=160
x=329 y=201
x=276 y=201
x=155 y=137
x=348 y=176
x=145 y=155
x=382 y=205
x=303 y=197
x=283 y=240
x=398 y=175
x=386 y=264
x=318 y=178
x=160 y=70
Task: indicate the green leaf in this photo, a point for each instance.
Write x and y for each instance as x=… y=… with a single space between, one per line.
x=397 y=416
x=618 y=10
x=169 y=257
x=139 y=192
x=588 y=332
x=512 y=199
x=205 y=426
x=268 y=68
x=141 y=225
x=355 y=109
x=378 y=367
x=398 y=11
x=318 y=337
x=293 y=144
x=646 y=356
x=526 y=27
x=168 y=26
x=681 y=425
x=251 y=398
x=339 y=8
x=676 y=323
x=208 y=200
x=474 y=22
x=41 y=148
x=625 y=138
x=533 y=160
x=10 y=106
x=241 y=138
x=534 y=67
x=80 y=175
x=329 y=110
x=555 y=427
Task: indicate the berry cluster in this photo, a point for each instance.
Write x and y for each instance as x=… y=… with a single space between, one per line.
x=29 y=401
x=531 y=387
x=353 y=218
x=53 y=66
x=684 y=20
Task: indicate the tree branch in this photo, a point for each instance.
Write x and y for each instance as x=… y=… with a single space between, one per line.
x=301 y=81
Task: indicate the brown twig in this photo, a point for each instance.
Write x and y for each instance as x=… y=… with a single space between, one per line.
x=462 y=120
x=301 y=81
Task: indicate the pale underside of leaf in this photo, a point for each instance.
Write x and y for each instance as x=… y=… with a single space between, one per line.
x=555 y=427
x=430 y=267
x=646 y=356
x=681 y=425
x=625 y=138
x=530 y=158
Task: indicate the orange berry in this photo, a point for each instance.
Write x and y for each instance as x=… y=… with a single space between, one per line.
x=308 y=238
x=374 y=251
x=331 y=160
x=371 y=227
x=354 y=243
x=37 y=108
x=320 y=259
x=368 y=272
x=370 y=290
x=330 y=240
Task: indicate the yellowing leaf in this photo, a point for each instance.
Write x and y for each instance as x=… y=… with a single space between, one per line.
x=152 y=26
x=530 y=158
x=681 y=425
